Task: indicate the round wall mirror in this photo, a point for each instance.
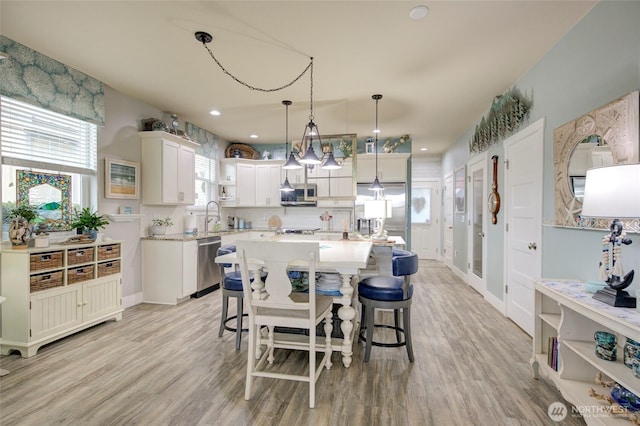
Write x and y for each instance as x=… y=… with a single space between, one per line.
x=602 y=137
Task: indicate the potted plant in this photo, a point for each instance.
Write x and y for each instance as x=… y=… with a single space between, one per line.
x=20 y=227
x=160 y=225
x=86 y=221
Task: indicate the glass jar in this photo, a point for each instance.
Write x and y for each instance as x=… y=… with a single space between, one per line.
x=631 y=348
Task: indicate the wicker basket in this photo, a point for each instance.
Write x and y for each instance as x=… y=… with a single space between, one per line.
x=50 y=260
x=83 y=273
x=80 y=255
x=41 y=282
x=108 y=268
x=110 y=251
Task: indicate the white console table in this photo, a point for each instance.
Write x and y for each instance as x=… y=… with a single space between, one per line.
x=563 y=309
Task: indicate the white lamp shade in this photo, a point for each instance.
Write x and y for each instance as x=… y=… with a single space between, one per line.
x=612 y=192
x=377 y=209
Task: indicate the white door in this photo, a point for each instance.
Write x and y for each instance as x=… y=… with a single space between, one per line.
x=447 y=226
x=523 y=202
x=425 y=223
x=477 y=223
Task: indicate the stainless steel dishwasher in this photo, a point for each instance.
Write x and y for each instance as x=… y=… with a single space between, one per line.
x=208 y=270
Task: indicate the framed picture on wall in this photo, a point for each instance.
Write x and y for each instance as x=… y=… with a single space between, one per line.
x=121 y=179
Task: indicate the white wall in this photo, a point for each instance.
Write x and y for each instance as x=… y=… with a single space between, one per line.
x=119 y=139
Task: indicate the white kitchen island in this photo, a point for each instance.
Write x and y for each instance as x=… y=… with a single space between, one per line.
x=346 y=258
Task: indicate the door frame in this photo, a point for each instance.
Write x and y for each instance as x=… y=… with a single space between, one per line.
x=447 y=257
x=479 y=284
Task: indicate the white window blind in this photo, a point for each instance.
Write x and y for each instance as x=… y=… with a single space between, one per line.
x=37 y=138
x=205 y=180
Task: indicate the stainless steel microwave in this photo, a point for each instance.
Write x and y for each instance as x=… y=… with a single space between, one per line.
x=298 y=197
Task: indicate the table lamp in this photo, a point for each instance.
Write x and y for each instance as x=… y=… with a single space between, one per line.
x=613 y=192
x=378 y=210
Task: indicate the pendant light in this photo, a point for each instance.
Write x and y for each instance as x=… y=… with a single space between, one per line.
x=286 y=186
x=376 y=185
x=291 y=163
x=331 y=163
x=310 y=157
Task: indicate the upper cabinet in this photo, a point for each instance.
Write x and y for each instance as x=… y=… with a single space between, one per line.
x=168 y=169
x=268 y=182
x=250 y=183
x=335 y=187
x=391 y=167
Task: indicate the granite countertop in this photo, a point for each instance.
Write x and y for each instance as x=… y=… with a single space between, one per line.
x=392 y=241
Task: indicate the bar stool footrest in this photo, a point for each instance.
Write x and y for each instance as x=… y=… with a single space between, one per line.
x=229 y=328
x=386 y=345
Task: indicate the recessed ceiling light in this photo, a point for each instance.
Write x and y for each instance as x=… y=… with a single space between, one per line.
x=254 y=136
x=214 y=112
x=424 y=149
x=418 y=12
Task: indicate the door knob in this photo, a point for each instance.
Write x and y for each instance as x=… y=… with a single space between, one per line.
x=481 y=234
x=532 y=246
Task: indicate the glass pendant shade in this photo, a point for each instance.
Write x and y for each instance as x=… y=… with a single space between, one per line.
x=291 y=163
x=286 y=186
x=331 y=163
x=376 y=185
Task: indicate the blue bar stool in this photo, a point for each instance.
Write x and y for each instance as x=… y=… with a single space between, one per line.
x=389 y=293
x=232 y=287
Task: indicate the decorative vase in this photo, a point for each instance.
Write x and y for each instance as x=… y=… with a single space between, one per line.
x=19 y=233
x=158 y=230
x=93 y=233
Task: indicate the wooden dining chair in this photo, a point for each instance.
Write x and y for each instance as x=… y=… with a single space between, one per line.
x=273 y=304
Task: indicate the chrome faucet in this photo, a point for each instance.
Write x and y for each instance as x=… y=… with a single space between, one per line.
x=206 y=215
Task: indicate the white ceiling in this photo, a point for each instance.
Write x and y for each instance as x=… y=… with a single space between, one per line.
x=438 y=75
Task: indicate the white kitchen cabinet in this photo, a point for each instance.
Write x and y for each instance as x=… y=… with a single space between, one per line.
x=238 y=177
x=56 y=291
x=168 y=167
x=345 y=171
x=391 y=167
x=295 y=176
x=335 y=187
x=169 y=270
x=268 y=182
x=245 y=185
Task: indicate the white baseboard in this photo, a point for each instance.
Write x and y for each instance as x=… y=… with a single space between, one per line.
x=459 y=273
x=495 y=302
x=129 y=301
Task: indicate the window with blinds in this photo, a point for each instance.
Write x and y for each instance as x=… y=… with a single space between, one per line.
x=205 y=180
x=37 y=138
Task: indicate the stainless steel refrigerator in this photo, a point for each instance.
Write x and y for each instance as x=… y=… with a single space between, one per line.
x=396 y=225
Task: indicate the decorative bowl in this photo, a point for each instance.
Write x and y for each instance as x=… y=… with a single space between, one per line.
x=593 y=286
x=625 y=398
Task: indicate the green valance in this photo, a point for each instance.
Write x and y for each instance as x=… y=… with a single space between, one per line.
x=34 y=78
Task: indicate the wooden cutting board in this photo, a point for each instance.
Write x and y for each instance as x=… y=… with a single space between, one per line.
x=274 y=222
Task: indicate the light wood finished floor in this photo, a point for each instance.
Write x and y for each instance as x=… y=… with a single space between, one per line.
x=166 y=365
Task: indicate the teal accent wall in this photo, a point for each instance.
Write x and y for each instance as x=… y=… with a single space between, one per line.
x=208 y=141
x=34 y=78
x=595 y=63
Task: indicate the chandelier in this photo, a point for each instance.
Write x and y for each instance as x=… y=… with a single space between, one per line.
x=309 y=158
